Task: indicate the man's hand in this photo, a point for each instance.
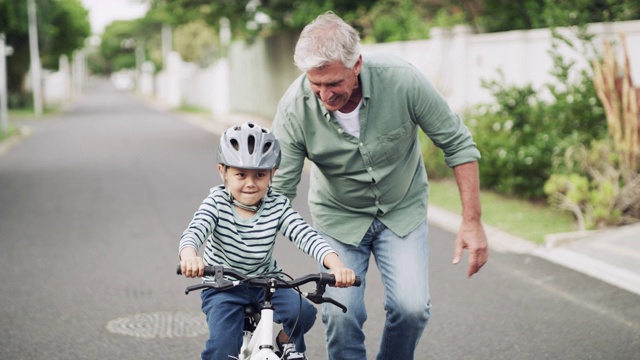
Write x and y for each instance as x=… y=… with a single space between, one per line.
x=472 y=237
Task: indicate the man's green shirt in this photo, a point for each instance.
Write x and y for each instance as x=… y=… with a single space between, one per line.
x=379 y=174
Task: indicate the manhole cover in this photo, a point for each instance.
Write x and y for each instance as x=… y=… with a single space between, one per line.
x=160 y=325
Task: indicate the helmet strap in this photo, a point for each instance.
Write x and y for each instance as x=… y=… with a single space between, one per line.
x=253 y=208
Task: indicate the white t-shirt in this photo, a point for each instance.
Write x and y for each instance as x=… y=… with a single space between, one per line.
x=350 y=121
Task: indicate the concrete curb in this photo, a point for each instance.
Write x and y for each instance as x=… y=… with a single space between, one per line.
x=506 y=243
x=498 y=240
x=595 y=268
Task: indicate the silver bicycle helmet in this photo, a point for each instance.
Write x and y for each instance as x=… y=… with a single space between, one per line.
x=249 y=146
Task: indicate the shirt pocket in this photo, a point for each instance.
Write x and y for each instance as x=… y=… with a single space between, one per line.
x=396 y=143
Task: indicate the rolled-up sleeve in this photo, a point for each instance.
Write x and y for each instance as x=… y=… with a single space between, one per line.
x=443 y=126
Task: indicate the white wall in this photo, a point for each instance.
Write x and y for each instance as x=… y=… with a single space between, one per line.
x=61 y=86
x=455 y=60
x=254 y=76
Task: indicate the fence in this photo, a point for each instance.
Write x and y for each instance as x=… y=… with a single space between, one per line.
x=455 y=60
x=58 y=87
x=255 y=75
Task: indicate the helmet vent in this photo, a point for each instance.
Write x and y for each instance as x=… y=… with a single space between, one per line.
x=235 y=144
x=251 y=142
x=266 y=147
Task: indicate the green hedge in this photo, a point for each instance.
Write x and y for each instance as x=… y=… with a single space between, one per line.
x=525 y=130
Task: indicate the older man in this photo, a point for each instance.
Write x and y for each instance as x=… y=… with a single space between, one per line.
x=357 y=118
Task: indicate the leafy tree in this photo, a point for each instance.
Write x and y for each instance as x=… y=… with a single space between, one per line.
x=283 y=15
x=196 y=42
x=504 y=15
x=63 y=26
x=118 y=44
x=392 y=20
x=180 y=12
x=17 y=36
x=66 y=29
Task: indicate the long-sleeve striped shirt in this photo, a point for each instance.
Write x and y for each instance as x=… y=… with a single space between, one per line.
x=247 y=244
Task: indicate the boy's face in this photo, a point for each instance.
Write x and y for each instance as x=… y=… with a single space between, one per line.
x=246 y=186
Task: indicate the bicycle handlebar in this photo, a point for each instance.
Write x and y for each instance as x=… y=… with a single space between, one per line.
x=269 y=282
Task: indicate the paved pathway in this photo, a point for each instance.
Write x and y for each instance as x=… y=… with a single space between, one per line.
x=91 y=207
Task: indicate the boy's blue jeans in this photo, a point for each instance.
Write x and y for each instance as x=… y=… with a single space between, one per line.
x=225 y=317
x=404 y=266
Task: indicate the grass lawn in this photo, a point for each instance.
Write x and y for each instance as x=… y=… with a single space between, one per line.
x=517 y=217
x=11 y=130
x=190 y=109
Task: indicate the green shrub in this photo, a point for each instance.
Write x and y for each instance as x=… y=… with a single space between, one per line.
x=587 y=183
x=513 y=141
x=524 y=130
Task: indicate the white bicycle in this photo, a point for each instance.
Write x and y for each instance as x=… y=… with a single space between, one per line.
x=257 y=340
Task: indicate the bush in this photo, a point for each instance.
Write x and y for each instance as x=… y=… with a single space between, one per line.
x=522 y=132
x=525 y=130
x=590 y=186
x=513 y=140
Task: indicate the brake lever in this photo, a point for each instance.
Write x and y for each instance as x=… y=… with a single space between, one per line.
x=331 y=301
x=317 y=298
x=198 y=287
x=220 y=282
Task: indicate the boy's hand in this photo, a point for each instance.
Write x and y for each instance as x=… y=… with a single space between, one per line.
x=192 y=267
x=344 y=277
x=191 y=264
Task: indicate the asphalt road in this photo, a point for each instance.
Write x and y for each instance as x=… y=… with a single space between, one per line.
x=93 y=202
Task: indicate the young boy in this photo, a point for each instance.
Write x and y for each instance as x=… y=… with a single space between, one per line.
x=238 y=223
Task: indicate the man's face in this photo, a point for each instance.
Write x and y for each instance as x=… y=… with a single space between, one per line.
x=334 y=84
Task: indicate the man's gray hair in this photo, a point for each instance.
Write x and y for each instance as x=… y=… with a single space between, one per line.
x=325 y=40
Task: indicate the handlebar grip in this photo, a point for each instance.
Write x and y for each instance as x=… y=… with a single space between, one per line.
x=332 y=280
x=208 y=270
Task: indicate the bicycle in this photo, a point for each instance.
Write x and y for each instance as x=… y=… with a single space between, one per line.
x=257 y=339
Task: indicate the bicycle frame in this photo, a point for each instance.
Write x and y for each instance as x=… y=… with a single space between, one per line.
x=259 y=344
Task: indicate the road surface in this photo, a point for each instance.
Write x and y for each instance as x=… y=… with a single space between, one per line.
x=92 y=205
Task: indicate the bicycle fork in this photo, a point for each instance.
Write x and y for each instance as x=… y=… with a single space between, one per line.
x=258 y=345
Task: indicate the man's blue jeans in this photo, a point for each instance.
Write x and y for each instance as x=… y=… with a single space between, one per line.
x=225 y=317
x=404 y=266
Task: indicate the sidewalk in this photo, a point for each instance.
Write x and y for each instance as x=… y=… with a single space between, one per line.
x=612 y=255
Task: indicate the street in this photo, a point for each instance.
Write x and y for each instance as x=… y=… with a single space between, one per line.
x=92 y=205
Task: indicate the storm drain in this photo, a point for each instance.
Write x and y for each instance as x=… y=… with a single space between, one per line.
x=160 y=325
